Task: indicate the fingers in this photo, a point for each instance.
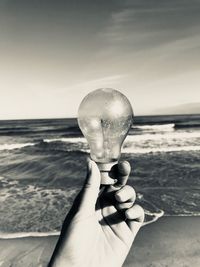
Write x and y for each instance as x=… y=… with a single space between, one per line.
x=124 y=170
x=134 y=213
x=122 y=198
x=121 y=173
x=126 y=193
x=135 y=218
x=114 y=222
x=126 y=197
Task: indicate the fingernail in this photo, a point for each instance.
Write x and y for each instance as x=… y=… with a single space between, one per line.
x=124 y=167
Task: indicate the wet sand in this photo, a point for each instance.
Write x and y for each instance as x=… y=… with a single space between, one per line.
x=171 y=241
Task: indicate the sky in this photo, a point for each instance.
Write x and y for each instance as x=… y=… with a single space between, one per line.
x=52 y=53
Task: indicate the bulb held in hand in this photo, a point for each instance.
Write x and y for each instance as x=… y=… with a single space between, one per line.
x=105 y=117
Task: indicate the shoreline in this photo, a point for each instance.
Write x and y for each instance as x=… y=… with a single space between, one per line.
x=170 y=241
x=18 y=235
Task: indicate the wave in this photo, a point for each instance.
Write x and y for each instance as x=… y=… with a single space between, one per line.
x=158 y=127
x=130 y=146
x=131 y=150
x=132 y=140
x=187 y=125
x=57 y=233
x=8 y=129
x=166 y=136
x=14 y=146
x=25 y=131
x=143 y=137
x=167 y=127
x=67 y=139
x=28 y=234
x=155 y=217
x=49 y=200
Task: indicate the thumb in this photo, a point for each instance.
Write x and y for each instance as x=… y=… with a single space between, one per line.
x=91 y=187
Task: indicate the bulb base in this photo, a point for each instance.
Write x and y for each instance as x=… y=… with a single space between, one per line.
x=106 y=173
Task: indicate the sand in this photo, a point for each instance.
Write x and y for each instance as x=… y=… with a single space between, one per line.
x=171 y=241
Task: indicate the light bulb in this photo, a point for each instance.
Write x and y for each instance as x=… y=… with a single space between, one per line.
x=105 y=117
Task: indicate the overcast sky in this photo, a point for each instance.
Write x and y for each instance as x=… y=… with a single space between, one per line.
x=52 y=53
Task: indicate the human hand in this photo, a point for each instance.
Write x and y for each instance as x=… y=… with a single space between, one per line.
x=101 y=225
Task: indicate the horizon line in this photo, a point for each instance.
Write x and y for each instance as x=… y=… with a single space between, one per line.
x=62 y=118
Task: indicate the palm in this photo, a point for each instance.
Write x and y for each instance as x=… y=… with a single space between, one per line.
x=100 y=239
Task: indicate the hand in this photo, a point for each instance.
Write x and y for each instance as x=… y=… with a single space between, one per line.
x=101 y=225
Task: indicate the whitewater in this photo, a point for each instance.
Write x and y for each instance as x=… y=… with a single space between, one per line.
x=131 y=142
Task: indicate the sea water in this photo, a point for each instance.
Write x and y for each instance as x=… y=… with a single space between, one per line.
x=43 y=166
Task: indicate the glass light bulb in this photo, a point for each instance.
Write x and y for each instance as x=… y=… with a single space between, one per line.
x=105 y=117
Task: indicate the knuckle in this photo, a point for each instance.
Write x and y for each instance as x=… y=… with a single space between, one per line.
x=130 y=191
x=136 y=211
x=119 y=196
x=129 y=213
x=127 y=187
x=125 y=193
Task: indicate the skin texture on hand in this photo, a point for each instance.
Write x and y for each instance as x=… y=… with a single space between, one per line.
x=101 y=225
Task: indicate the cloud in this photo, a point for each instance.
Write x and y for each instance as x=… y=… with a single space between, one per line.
x=108 y=81
x=152 y=25
x=153 y=38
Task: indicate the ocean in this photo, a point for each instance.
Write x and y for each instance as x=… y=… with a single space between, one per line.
x=43 y=166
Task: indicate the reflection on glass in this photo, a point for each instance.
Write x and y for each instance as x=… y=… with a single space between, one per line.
x=105 y=117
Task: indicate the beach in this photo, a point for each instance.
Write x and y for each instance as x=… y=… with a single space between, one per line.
x=43 y=166
x=171 y=241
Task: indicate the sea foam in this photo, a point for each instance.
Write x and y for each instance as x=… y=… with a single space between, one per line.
x=14 y=146
x=154 y=127
x=27 y=234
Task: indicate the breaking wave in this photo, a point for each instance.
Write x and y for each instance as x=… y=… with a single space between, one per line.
x=130 y=150
x=154 y=127
x=14 y=146
x=141 y=144
x=27 y=234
